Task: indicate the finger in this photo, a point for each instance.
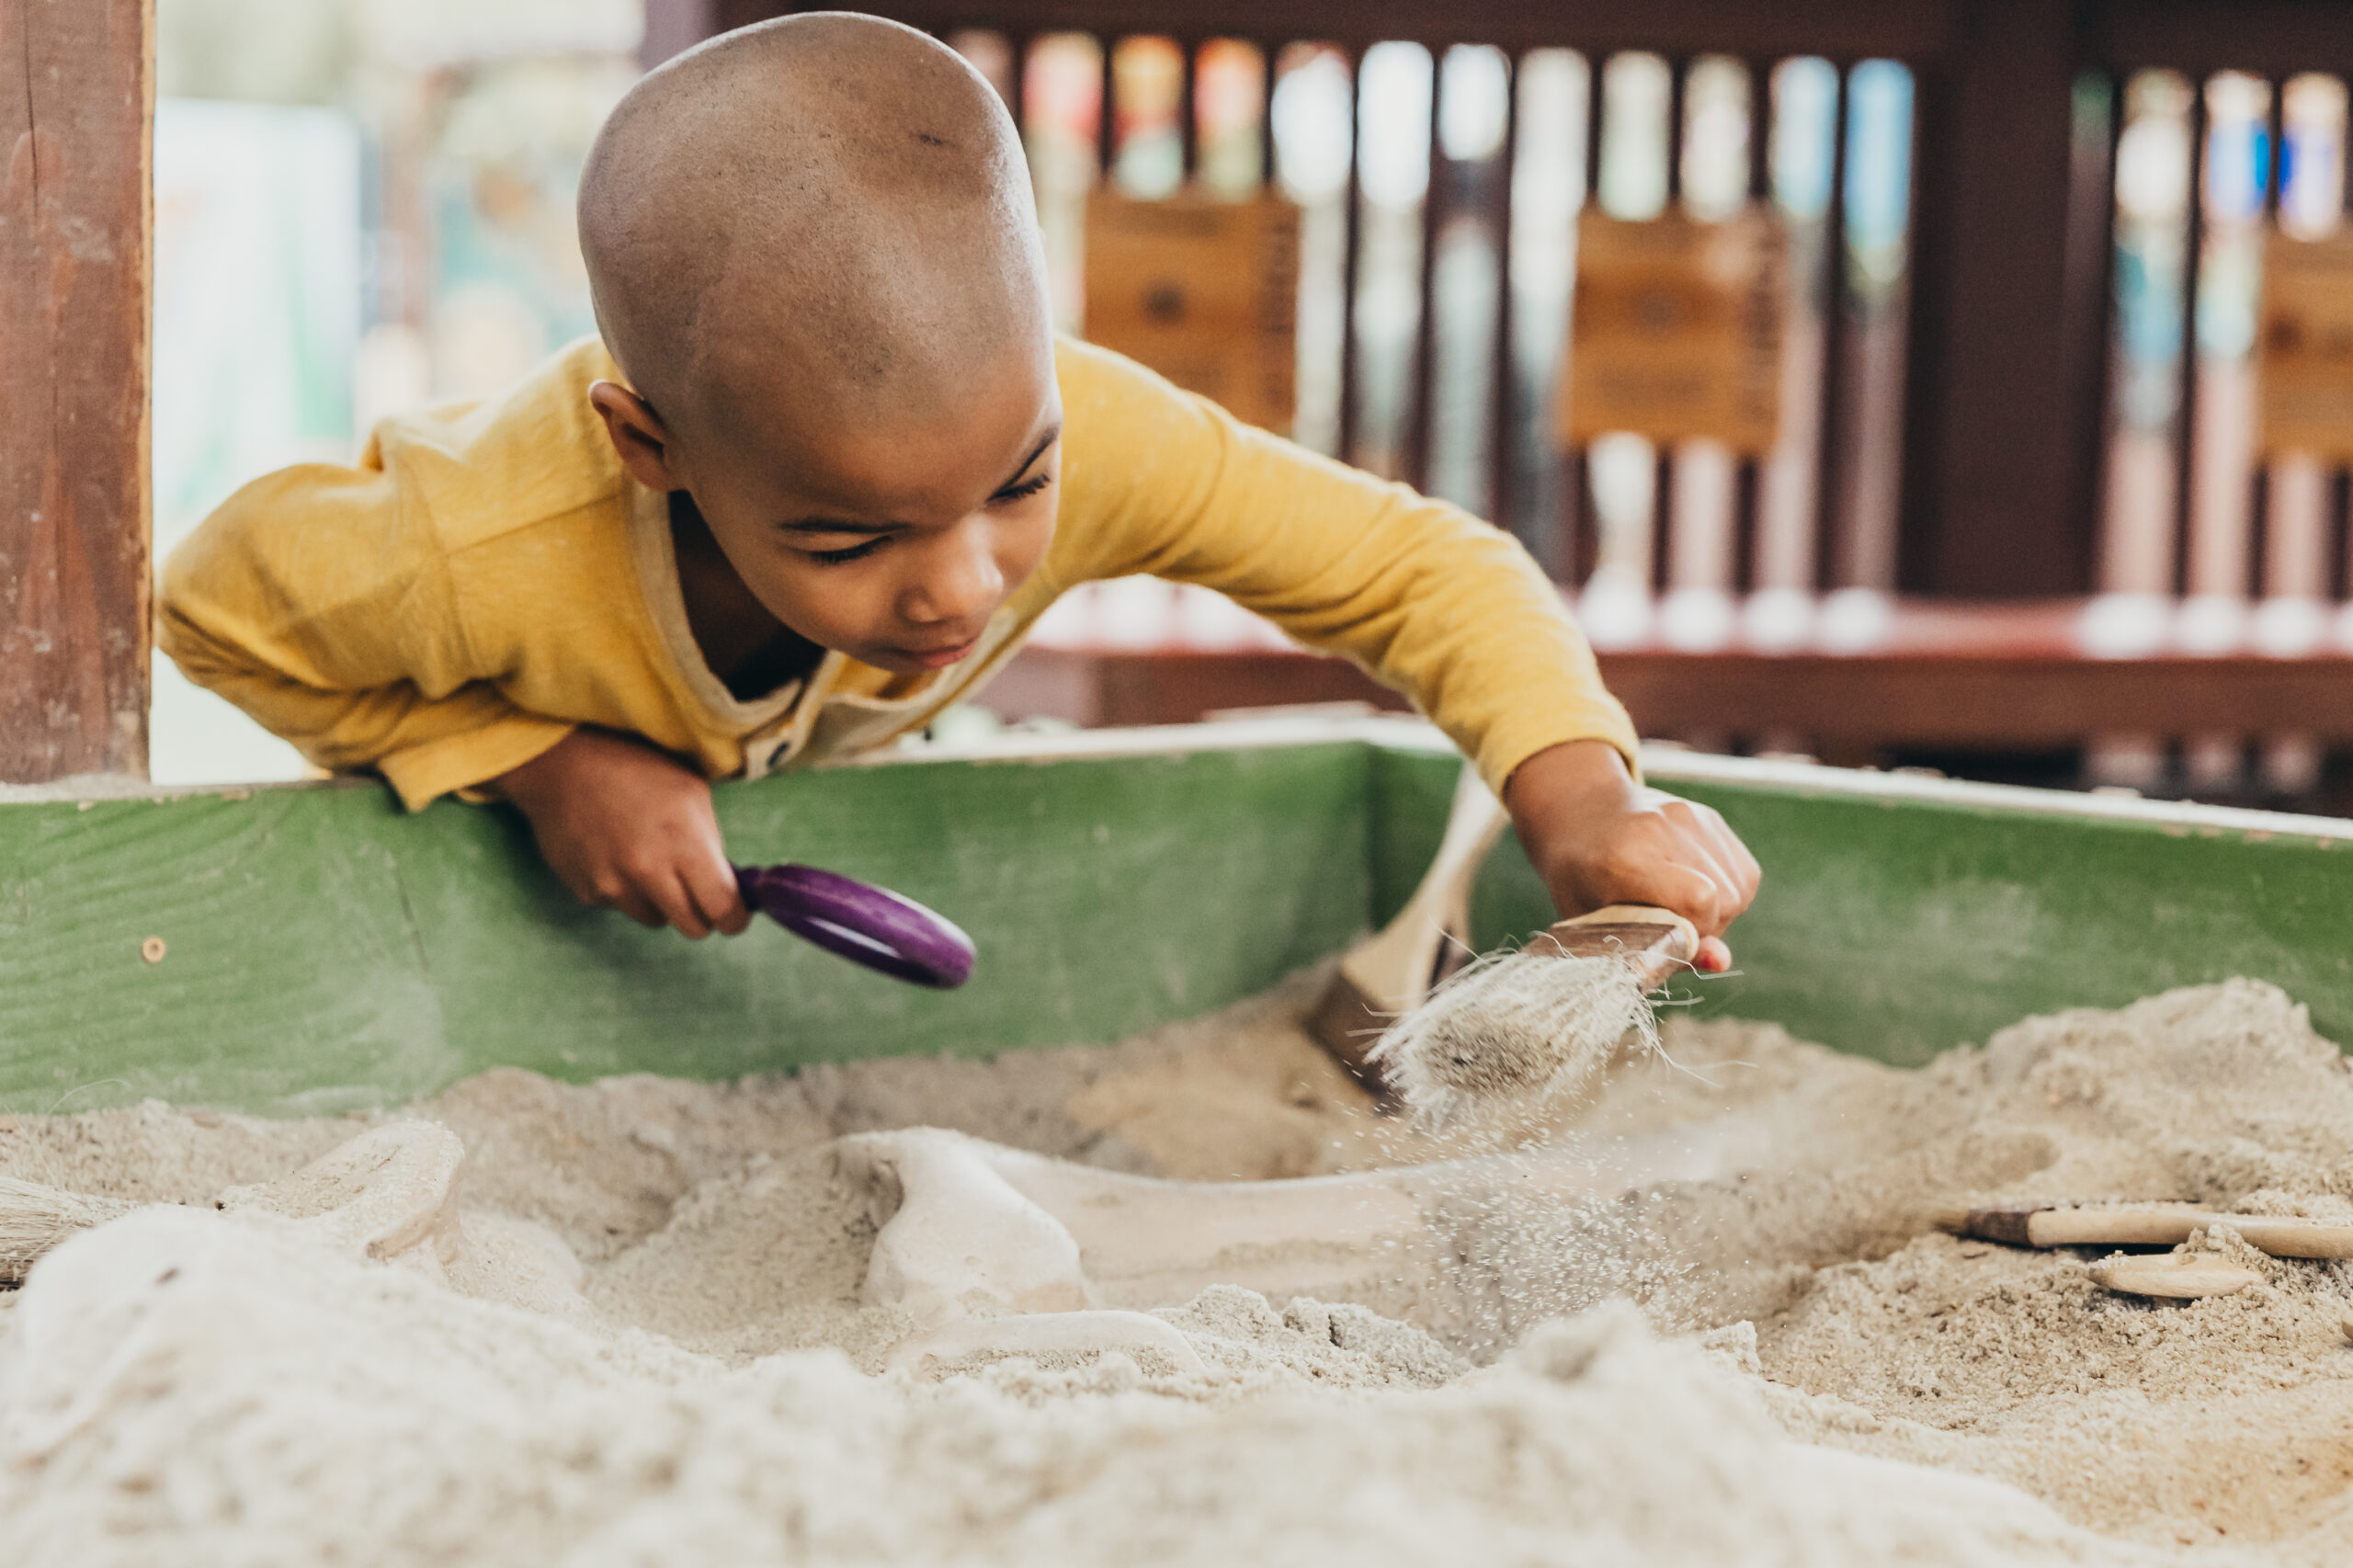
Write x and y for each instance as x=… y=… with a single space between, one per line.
x=711 y=881
x=1713 y=957
x=1713 y=910
x=638 y=907
x=669 y=894
x=1690 y=890
x=586 y=890
x=1734 y=856
x=1708 y=847
x=1710 y=854
x=1703 y=851
x=718 y=898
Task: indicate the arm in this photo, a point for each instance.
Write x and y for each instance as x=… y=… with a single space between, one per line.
x=308 y=602
x=1428 y=598
x=1421 y=595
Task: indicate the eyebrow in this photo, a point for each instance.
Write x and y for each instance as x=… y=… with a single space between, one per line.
x=876 y=531
x=1051 y=436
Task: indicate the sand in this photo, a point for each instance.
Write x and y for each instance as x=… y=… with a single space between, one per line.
x=1700 y=1318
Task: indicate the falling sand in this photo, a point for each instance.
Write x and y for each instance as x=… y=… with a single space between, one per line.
x=1525 y=1026
x=1189 y=1299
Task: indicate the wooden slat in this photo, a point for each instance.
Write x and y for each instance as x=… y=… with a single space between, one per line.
x=673 y=27
x=1840 y=29
x=1504 y=478
x=1414 y=449
x=1901 y=916
x=1967 y=678
x=1112 y=687
x=1351 y=255
x=1991 y=702
x=75 y=105
x=2274 y=38
x=1994 y=458
x=321 y=950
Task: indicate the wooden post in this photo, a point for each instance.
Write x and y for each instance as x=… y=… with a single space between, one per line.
x=76 y=102
x=1998 y=487
x=673 y=27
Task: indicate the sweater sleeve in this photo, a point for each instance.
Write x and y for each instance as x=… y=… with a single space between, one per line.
x=318 y=600
x=1429 y=599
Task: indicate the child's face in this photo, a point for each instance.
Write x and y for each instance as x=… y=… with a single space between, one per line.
x=894 y=542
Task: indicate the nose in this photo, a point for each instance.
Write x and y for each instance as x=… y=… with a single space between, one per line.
x=960 y=580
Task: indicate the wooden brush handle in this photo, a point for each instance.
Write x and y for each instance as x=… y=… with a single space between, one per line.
x=2146 y=1224
x=1635 y=914
x=1395 y=968
x=1657 y=942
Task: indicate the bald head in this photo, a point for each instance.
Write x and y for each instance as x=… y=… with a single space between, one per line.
x=825 y=217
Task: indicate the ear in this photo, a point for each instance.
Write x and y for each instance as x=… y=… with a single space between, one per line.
x=638 y=435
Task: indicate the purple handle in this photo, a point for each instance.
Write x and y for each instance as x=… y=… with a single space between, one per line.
x=885 y=931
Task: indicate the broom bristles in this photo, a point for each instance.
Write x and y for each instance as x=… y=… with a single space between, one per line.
x=1514 y=1027
x=36 y=1219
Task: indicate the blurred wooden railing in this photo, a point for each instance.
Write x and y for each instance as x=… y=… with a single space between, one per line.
x=2018 y=501
x=1940 y=677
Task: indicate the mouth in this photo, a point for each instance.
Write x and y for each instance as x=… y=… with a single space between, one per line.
x=940 y=658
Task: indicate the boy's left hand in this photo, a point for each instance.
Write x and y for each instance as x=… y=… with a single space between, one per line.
x=1597 y=837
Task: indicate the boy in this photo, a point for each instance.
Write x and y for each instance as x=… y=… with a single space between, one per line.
x=826 y=466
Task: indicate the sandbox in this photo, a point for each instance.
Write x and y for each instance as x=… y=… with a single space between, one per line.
x=1185 y=1297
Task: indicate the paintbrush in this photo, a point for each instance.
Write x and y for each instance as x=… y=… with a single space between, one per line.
x=1391 y=973
x=2185 y=1275
x=1538 y=1024
x=2142 y=1224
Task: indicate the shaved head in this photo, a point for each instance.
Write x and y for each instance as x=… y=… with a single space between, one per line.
x=821 y=219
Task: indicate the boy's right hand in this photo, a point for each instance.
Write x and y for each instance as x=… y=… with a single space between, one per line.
x=626 y=827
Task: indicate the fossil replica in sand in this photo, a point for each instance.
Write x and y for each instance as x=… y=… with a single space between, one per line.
x=971 y=1228
x=1650 y=1338
x=987 y=1251
x=388 y=1196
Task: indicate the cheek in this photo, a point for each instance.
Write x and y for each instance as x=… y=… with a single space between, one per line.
x=832 y=606
x=1024 y=539
x=864 y=606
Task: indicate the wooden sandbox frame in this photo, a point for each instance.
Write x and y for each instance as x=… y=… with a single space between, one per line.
x=319 y=950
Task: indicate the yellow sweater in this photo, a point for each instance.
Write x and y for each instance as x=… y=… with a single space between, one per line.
x=489 y=576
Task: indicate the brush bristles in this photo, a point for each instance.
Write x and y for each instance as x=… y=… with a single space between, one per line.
x=35 y=1218
x=1514 y=1027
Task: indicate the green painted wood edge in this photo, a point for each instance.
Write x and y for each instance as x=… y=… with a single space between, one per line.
x=323 y=951
x=1898 y=918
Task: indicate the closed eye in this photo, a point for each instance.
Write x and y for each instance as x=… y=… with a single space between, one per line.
x=853 y=552
x=1023 y=491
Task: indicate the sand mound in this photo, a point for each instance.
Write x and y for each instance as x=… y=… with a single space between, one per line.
x=177 y=1381
x=1704 y=1320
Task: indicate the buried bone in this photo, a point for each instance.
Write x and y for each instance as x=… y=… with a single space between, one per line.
x=954 y=1236
x=974 y=1229
x=387 y=1196
x=2179 y=1277
x=1052 y=1339
x=390 y=1193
